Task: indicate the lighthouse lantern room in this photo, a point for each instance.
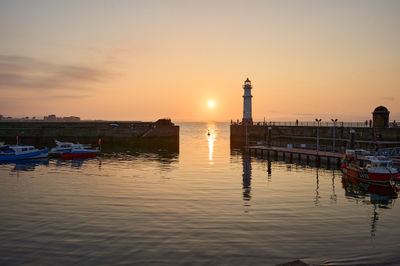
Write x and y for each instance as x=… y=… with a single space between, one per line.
x=247 y=116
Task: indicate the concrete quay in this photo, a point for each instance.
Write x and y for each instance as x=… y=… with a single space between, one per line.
x=160 y=133
x=365 y=137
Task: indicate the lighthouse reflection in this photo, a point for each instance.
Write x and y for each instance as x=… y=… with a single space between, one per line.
x=246 y=161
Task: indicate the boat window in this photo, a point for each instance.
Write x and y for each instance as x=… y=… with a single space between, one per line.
x=24 y=149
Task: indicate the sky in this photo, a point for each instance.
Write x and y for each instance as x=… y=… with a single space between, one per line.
x=144 y=60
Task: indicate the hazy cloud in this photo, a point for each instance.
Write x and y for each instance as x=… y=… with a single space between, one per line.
x=388 y=98
x=26 y=73
x=306 y=114
x=68 y=96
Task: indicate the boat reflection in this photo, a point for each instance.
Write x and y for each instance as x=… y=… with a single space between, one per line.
x=111 y=154
x=379 y=196
x=75 y=163
x=382 y=195
x=26 y=165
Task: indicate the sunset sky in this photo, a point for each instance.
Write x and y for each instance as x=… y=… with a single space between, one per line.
x=144 y=60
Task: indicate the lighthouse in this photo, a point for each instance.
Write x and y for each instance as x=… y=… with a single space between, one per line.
x=247 y=116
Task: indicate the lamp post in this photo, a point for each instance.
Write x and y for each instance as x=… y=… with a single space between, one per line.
x=334 y=134
x=318 y=124
x=269 y=136
x=352 y=138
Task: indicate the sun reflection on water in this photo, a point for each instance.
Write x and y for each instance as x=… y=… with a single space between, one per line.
x=211 y=138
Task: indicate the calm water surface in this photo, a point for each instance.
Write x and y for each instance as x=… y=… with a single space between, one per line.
x=203 y=205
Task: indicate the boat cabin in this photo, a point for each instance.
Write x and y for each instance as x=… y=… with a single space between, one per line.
x=377 y=162
x=18 y=149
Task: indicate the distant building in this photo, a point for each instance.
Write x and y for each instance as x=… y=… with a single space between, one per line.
x=71 y=119
x=1 y=117
x=53 y=118
x=380 y=117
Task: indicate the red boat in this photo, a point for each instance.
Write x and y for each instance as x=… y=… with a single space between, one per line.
x=374 y=169
x=80 y=155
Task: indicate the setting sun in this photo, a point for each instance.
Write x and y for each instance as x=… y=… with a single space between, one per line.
x=211 y=104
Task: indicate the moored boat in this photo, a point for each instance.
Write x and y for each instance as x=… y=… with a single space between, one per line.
x=21 y=152
x=374 y=169
x=69 y=150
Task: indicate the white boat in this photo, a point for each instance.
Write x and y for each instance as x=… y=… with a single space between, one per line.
x=69 y=150
x=2 y=145
x=21 y=152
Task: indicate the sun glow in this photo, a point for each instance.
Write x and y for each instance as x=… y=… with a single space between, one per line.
x=211 y=104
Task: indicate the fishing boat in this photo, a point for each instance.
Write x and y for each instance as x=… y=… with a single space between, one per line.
x=21 y=152
x=69 y=150
x=374 y=169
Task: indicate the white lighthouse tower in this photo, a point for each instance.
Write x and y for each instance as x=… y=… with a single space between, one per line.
x=247 y=116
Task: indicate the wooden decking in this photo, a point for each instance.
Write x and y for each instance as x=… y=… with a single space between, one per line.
x=298 y=151
x=297 y=154
x=302 y=155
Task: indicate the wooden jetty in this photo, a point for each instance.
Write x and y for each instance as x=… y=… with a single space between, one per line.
x=300 y=155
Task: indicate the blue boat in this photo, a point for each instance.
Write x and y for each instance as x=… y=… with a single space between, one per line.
x=21 y=152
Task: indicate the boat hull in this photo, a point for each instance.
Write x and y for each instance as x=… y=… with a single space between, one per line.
x=377 y=178
x=26 y=156
x=82 y=154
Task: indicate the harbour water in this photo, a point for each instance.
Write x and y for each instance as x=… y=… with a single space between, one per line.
x=204 y=205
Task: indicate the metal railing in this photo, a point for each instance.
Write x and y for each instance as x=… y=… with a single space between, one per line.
x=314 y=124
x=390 y=152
